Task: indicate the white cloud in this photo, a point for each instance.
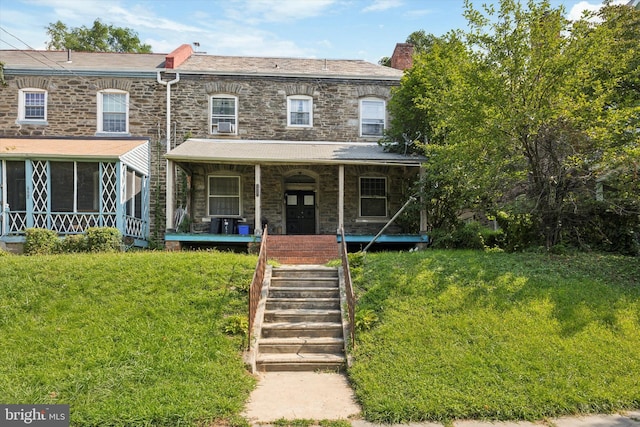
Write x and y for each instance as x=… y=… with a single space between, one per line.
x=255 y=11
x=381 y=5
x=576 y=11
x=417 y=13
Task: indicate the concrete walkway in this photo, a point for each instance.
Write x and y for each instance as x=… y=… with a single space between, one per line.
x=328 y=396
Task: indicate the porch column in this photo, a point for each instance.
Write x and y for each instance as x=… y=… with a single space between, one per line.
x=169 y=202
x=423 y=212
x=340 y=196
x=258 y=203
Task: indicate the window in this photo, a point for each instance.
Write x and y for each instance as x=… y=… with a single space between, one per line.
x=224 y=114
x=32 y=105
x=224 y=196
x=373 y=197
x=74 y=186
x=300 y=111
x=16 y=185
x=133 y=205
x=372 y=117
x=113 y=111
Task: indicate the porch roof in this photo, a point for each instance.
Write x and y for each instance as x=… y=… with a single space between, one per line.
x=68 y=148
x=287 y=152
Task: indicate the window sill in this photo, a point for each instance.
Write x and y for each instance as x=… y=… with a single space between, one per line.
x=299 y=127
x=372 y=220
x=33 y=122
x=116 y=134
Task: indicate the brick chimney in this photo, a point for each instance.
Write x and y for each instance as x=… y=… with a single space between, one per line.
x=178 y=56
x=402 y=57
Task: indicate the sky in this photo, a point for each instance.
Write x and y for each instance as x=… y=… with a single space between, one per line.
x=332 y=29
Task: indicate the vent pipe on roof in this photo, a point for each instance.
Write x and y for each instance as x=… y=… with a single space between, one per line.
x=68 y=56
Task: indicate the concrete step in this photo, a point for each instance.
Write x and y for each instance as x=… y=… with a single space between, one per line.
x=301 y=345
x=303 y=303
x=272 y=362
x=304 y=292
x=302 y=330
x=304 y=271
x=322 y=282
x=301 y=315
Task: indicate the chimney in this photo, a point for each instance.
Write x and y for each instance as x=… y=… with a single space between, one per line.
x=178 y=56
x=402 y=57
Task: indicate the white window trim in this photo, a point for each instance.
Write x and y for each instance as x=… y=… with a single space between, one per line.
x=235 y=117
x=239 y=178
x=22 y=106
x=361 y=109
x=386 y=198
x=299 y=97
x=100 y=127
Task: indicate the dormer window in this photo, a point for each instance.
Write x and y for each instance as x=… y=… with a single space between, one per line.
x=224 y=114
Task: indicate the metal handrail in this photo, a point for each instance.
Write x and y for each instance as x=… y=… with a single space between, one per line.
x=351 y=298
x=256 y=284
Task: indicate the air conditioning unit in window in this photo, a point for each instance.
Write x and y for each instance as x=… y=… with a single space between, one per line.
x=225 y=127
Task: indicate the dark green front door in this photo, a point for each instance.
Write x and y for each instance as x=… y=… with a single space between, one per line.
x=301 y=212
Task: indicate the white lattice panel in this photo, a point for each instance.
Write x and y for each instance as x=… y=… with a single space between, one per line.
x=39 y=182
x=109 y=188
x=17 y=222
x=134 y=227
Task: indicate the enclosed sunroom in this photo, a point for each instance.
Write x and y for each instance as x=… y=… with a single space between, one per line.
x=70 y=184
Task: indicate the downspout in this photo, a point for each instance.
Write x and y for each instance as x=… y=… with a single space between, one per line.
x=169 y=164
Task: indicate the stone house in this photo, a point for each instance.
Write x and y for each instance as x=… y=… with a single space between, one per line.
x=211 y=148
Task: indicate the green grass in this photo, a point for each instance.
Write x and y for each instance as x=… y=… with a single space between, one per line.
x=464 y=334
x=125 y=339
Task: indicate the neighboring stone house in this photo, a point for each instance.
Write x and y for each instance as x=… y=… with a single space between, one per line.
x=291 y=143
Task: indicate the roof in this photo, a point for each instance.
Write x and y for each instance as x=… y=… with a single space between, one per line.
x=287 y=152
x=68 y=148
x=103 y=62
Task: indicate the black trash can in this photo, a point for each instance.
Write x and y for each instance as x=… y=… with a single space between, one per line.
x=214 y=226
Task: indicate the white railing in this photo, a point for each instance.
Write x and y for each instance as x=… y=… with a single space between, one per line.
x=134 y=227
x=17 y=222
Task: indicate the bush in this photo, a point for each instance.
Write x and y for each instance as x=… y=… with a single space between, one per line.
x=466 y=236
x=103 y=239
x=520 y=230
x=74 y=243
x=40 y=241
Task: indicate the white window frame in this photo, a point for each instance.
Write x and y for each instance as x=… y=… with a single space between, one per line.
x=363 y=118
x=210 y=196
x=100 y=118
x=290 y=100
x=213 y=127
x=385 y=197
x=22 y=106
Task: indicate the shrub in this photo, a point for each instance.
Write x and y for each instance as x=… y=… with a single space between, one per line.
x=365 y=319
x=235 y=325
x=465 y=236
x=103 y=239
x=74 y=243
x=40 y=241
x=520 y=230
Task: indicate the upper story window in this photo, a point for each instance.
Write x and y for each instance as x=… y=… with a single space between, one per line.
x=372 y=117
x=300 y=111
x=373 y=197
x=32 y=105
x=113 y=111
x=224 y=195
x=224 y=114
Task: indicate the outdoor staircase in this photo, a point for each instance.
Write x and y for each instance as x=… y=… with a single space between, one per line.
x=303 y=249
x=302 y=326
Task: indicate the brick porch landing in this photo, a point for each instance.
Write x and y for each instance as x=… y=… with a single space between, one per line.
x=305 y=249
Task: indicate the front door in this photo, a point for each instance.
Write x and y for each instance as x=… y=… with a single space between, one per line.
x=301 y=212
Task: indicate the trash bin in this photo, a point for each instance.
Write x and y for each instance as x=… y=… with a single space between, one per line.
x=214 y=226
x=243 y=229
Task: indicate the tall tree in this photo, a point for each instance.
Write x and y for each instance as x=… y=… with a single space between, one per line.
x=99 y=38
x=531 y=108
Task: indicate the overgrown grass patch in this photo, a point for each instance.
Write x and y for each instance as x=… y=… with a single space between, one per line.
x=468 y=334
x=125 y=339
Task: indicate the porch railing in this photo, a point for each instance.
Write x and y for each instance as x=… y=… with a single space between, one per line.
x=351 y=298
x=256 y=284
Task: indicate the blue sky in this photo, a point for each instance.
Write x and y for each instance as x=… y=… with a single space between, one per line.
x=335 y=29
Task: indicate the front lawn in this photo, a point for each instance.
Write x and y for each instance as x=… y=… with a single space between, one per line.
x=125 y=339
x=479 y=335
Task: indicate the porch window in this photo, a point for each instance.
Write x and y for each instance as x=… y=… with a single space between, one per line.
x=113 y=111
x=16 y=185
x=74 y=186
x=133 y=205
x=224 y=114
x=224 y=196
x=373 y=197
x=372 y=117
x=32 y=105
x=300 y=111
